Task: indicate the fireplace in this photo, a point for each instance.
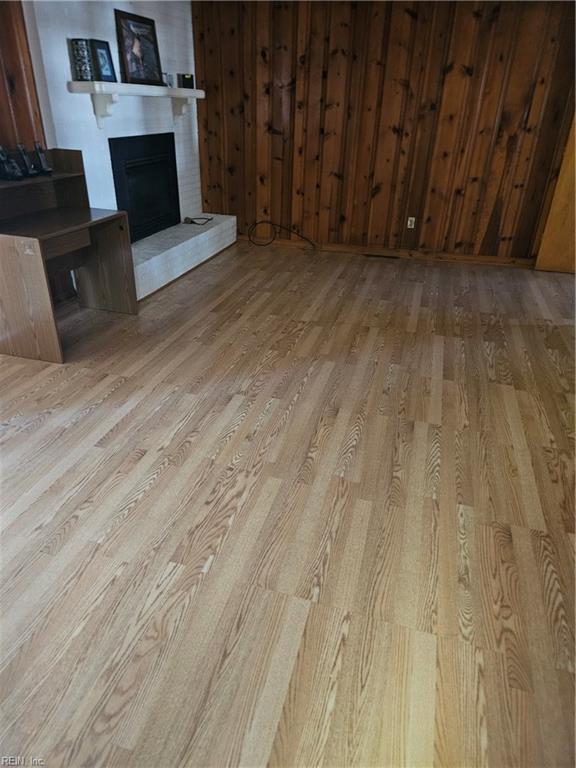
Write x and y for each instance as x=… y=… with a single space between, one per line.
x=146 y=182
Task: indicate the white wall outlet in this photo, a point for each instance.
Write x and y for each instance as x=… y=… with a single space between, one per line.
x=411 y=222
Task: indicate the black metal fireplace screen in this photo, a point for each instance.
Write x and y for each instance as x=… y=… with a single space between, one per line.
x=146 y=182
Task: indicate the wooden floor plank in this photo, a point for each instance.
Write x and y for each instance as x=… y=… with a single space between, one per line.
x=304 y=509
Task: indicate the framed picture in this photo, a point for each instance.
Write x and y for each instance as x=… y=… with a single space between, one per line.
x=102 y=63
x=138 y=49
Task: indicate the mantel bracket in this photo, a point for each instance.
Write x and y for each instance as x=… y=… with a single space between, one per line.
x=180 y=106
x=102 y=105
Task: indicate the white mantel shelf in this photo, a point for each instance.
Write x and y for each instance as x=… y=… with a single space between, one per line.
x=104 y=95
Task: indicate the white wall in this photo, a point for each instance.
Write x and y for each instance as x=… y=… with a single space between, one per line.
x=68 y=118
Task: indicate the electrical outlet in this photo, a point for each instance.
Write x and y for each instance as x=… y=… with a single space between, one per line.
x=411 y=222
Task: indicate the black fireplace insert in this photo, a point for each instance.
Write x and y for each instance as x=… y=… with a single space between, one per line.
x=146 y=182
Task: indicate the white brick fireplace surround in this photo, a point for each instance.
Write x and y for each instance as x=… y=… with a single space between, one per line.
x=70 y=123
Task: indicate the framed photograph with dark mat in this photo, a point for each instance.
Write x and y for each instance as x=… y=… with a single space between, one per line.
x=102 y=63
x=138 y=49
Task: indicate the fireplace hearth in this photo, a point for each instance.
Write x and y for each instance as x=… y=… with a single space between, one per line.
x=146 y=182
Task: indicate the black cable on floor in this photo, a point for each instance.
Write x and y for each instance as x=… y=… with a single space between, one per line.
x=275 y=233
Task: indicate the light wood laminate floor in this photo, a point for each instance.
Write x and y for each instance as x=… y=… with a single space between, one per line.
x=305 y=509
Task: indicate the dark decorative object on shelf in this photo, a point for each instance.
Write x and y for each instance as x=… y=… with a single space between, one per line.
x=41 y=161
x=185 y=81
x=81 y=59
x=102 y=63
x=138 y=49
x=9 y=168
x=27 y=166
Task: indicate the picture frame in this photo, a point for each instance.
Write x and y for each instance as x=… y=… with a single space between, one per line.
x=138 y=49
x=102 y=63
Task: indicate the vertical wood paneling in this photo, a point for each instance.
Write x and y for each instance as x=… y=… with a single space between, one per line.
x=201 y=46
x=422 y=13
x=467 y=173
x=493 y=64
x=211 y=141
x=300 y=112
x=530 y=124
x=332 y=144
x=19 y=109
x=318 y=46
x=263 y=114
x=357 y=68
x=509 y=132
x=378 y=20
x=341 y=120
x=282 y=129
x=394 y=89
x=554 y=124
x=421 y=151
x=248 y=26
x=557 y=248
x=453 y=112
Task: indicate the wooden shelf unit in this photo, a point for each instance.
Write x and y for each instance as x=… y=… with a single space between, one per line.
x=64 y=188
x=47 y=225
x=34 y=182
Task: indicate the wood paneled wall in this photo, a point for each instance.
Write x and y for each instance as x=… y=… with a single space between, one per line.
x=340 y=120
x=19 y=110
x=558 y=248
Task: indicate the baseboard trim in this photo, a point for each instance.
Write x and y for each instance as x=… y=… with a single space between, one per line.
x=367 y=250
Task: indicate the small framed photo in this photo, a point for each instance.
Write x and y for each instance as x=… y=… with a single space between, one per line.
x=102 y=61
x=138 y=49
